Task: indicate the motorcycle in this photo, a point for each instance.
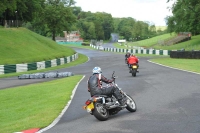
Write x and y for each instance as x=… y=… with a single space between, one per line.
x=134 y=69
x=102 y=106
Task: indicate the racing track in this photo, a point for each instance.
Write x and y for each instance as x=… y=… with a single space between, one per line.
x=167 y=99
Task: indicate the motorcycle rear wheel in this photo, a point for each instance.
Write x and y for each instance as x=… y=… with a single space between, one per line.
x=131 y=105
x=100 y=112
x=134 y=72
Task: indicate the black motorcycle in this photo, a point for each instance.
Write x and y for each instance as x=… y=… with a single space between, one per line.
x=102 y=106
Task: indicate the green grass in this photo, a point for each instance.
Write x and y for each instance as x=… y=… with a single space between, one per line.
x=162 y=28
x=193 y=44
x=36 y=105
x=192 y=65
x=20 y=45
x=147 y=43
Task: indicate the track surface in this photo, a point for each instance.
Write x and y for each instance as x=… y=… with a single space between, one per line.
x=167 y=99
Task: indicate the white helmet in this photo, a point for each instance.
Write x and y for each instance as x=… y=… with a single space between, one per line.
x=96 y=70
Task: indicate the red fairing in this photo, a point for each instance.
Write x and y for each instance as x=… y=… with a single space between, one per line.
x=132 y=60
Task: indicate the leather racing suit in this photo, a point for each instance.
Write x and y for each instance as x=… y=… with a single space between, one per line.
x=95 y=87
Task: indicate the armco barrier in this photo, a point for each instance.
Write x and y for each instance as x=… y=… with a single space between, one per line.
x=5 y=69
x=135 y=51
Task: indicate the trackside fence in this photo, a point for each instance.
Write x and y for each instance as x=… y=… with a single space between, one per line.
x=135 y=51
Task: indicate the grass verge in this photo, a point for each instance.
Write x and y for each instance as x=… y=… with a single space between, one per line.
x=36 y=105
x=192 y=65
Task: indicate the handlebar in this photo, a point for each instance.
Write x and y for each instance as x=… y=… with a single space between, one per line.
x=113 y=76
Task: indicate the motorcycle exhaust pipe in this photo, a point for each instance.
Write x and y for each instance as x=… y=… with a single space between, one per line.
x=112 y=106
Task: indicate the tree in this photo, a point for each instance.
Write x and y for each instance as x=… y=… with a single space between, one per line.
x=24 y=9
x=76 y=10
x=126 y=27
x=99 y=30
x=58 y=15
x=108 y=25
x=87 y=29
x=185 y=17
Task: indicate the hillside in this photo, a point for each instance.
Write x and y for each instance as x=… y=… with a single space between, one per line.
x=161 y=28
x=20 y=45
x=157 y=43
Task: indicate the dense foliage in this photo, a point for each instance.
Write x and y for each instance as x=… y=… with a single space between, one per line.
x=185 y=17
x=51 y=17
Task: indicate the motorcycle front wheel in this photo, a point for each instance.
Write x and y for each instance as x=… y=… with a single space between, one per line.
x=100 y=112
x=131 y=105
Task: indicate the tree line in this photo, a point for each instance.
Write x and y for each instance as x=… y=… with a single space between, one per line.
x=51 y=17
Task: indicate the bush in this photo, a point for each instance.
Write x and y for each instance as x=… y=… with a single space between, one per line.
x=85 y=44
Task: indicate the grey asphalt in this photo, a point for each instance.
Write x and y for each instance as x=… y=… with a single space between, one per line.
x=167 y=99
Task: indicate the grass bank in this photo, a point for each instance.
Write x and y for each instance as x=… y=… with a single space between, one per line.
x=20 y=45
x=192 y=65
x=193 y=44
x=36 y=105
x=148 y=42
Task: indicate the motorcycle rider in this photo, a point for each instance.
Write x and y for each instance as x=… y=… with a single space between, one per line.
x=95 y=86
x=127 y=55
x=133 y=60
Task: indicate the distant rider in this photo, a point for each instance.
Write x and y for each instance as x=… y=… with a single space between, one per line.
x=133 y=60
x=127 y=55
x=95 y=86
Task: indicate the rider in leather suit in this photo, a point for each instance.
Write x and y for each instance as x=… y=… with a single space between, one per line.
x=133 y=60
x=95 y=86
x=127 y=55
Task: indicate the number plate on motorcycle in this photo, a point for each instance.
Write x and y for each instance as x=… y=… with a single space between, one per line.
x=134 y=66
x=90 y=106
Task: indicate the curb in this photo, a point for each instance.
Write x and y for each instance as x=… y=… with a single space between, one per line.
x=33 y=130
